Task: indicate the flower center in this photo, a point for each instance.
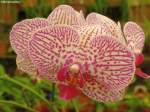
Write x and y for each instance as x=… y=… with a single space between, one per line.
x=74 y=69
x=74 y=74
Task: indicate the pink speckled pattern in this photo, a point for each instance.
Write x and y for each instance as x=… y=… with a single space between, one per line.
x=22 y=31
x=100 y=92
x=51 y=46
x=88 y=32
x=107 y=59
x=113 y=64
x=19 y=38
x=46 y=48
x=110 y=25
x=134 y=37
x=26 y=65
x=65 y=14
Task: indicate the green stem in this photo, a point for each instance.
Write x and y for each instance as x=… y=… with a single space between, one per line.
x=5 y=77
x=75 y=106
x=17 y=104
x=53 y=90
x=55 y=108
x=25 y=97
x=26 y=87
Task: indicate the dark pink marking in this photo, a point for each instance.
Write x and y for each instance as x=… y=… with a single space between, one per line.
x=21 y=33
x=139 y=59
x=134 y=36
x=112 y=58
x=46 y=49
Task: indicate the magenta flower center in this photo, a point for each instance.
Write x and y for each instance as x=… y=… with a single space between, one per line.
x=73 y=74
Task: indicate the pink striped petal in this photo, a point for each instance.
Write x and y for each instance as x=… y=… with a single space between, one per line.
x=50 y=47
x=119 y=32
x=65 y=14
x=111 y=26
x=68 y=92
x=21 y=34
x=19 y=38
x=99 y=92
x=89 y=32
x=92 y=18
x=140 y=73
x=113 y=64
x=95 y=18
x=25 y=65
x=134 y=36
x=81 y=18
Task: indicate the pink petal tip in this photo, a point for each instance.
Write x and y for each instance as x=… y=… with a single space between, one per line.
x=140 y=73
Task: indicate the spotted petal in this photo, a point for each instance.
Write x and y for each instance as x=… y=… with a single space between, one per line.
x=22 y=31
x=111 y=26
x=50 y=47
x=81 y=19
x=95 y=18
x=25 y=65
x=101 y=93
x=19 y=38
x=65 y=14
x=88 y=32
x=134 y=36
x=92 y=18
x=112 y=63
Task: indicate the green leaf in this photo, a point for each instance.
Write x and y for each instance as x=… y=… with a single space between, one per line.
x=2 y=70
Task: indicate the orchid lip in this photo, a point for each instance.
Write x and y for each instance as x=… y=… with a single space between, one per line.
x=73 y=74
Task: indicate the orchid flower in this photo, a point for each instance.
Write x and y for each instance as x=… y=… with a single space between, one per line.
x=22 y=32
x=135 y=41
x=78 y=56
x=132 y=36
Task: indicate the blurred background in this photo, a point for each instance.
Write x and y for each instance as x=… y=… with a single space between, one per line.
x=21 y=93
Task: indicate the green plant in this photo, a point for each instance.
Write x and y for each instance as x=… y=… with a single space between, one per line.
x=62 y=1
x=13 y=90
x=42 y=9
x=140 y=3
x=125 y=10
x=147 y=31
x=98 y=6
x=2 y=70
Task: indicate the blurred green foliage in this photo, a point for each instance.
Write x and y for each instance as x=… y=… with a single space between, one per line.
x=98 y=6
x=41 y=9
x=125 y=10
x=22 y=93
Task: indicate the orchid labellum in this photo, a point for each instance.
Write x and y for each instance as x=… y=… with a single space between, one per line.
x=90 y=56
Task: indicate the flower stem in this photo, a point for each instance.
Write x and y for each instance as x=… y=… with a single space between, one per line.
x=55 y=108
x=75 y=106
x=17 y=104
x=26 y=87
x=5 y=77
x=53 y=90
